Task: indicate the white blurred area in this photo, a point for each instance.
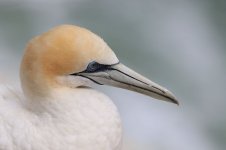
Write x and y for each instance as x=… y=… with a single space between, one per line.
x=177 y=44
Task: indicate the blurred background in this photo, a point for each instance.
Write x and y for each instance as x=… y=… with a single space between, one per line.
x=180 y=44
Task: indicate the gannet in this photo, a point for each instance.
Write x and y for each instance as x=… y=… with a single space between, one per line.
x=58 y=109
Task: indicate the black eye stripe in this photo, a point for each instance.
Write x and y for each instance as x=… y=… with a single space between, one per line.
x=96 y=67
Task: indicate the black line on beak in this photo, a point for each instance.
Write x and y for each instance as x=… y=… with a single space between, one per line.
x=172 y=100
x=128 y=75
x=159 y=89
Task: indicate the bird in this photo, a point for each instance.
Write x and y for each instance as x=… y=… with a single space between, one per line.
x=57 y=107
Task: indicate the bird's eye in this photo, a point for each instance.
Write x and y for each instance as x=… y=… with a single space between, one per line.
x=93 y=67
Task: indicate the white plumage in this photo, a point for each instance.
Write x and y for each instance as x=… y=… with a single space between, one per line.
x=73 y=120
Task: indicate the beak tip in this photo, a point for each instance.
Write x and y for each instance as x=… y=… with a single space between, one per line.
x=174 y=100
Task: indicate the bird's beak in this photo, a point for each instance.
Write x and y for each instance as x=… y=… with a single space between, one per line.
x=118 y=75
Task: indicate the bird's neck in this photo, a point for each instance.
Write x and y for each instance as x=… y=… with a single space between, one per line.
x=61 y=101
x=78 y=112
x=50 y=100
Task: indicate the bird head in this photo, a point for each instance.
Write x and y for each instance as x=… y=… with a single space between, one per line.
x=74 y=57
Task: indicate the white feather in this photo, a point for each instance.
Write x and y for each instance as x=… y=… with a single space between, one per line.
x=74 y=120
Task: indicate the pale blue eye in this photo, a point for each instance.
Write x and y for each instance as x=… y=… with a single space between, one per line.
x=94 y=66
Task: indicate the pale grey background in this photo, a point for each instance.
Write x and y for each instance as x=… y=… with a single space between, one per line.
x=177 y=43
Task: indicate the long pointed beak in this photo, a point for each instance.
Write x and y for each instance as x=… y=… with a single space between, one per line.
x=119 y=75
